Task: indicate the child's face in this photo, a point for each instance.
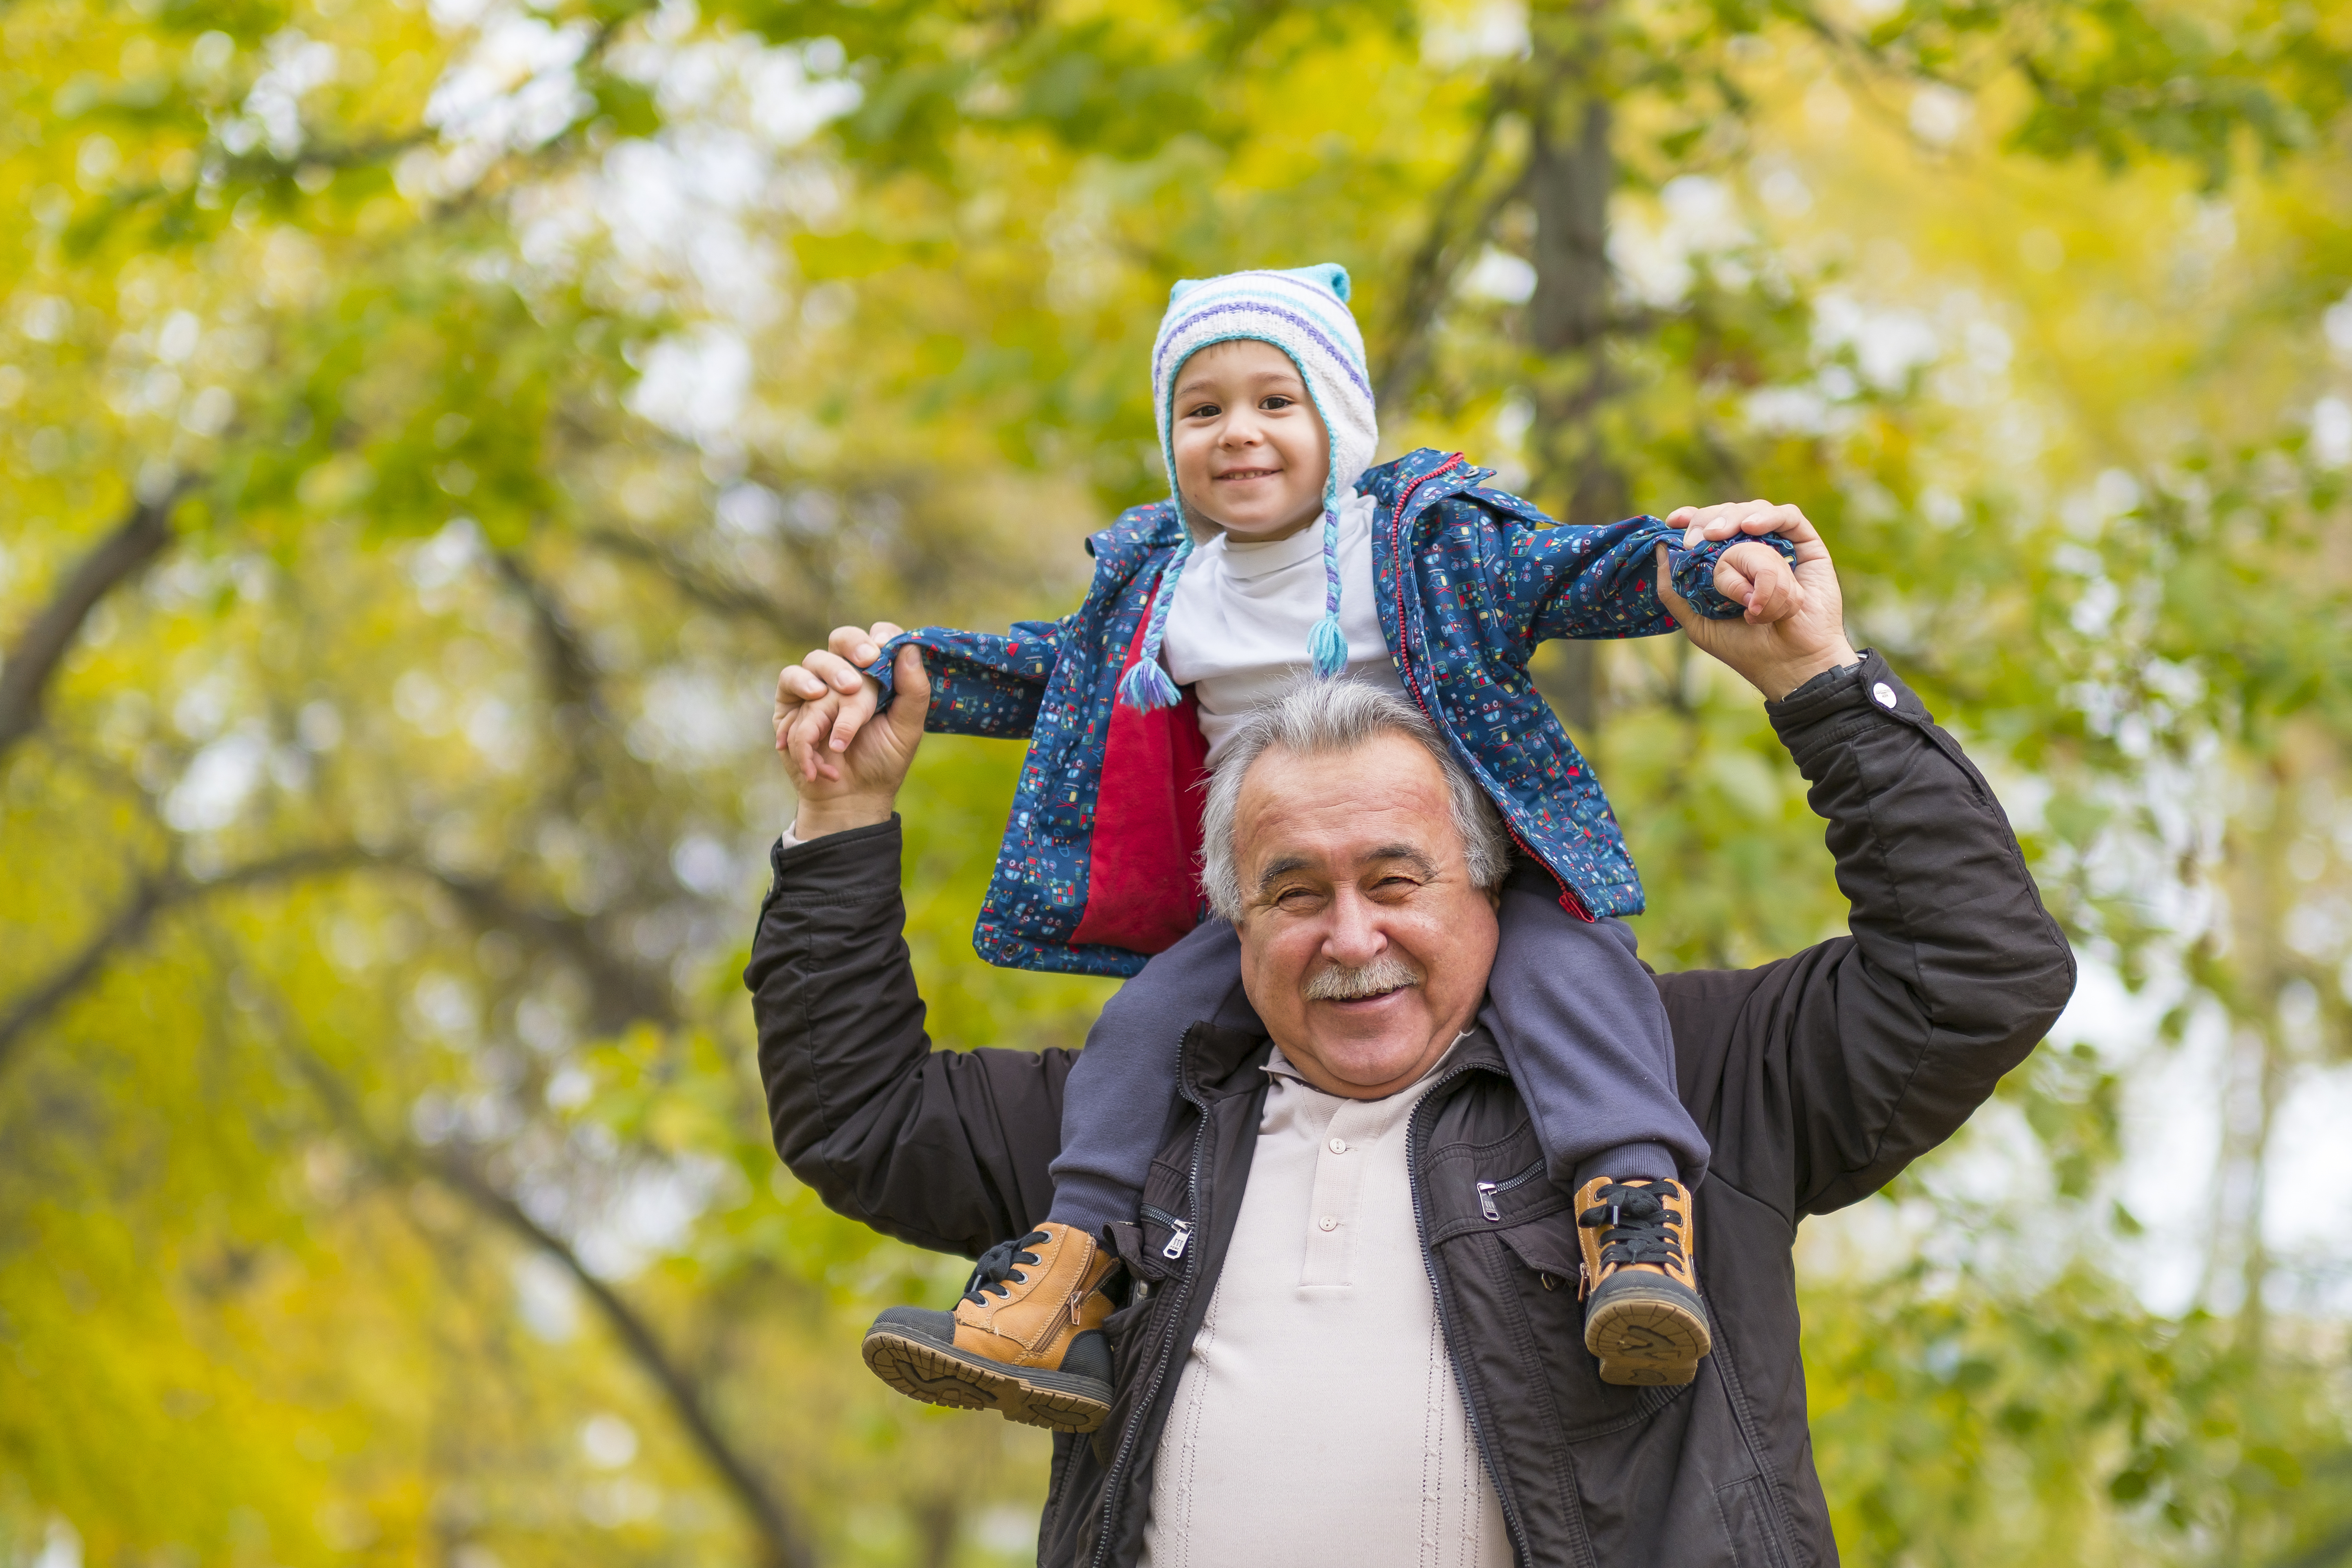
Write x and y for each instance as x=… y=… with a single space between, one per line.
x=1251 y=452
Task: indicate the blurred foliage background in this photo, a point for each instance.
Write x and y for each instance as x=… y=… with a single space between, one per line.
x=426 y=428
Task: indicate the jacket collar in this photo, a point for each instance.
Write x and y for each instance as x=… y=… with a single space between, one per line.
x=1156 y=526
x=1405 y=475
x=1151 y=527
x=1219 y=1062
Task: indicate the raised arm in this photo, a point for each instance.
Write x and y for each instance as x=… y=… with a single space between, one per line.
x=945 y=1149
x=979 y=684
x=948 y=1150
x=1601 y=583
x=1821 y=1076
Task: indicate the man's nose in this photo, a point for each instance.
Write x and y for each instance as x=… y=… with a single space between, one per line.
x=1354 y=936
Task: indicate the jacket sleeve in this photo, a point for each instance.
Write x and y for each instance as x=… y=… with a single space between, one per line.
x=1560 y=581
x=1820 y=1077
x=981 y=684
x=948 y=1150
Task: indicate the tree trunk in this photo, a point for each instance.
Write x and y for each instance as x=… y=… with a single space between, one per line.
x=1571 y=173
x=2260 y=894
x=938 y=1521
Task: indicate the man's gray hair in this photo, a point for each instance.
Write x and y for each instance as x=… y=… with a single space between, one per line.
x=1314 y=718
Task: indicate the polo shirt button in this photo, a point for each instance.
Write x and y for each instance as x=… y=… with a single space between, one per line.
x=1328 y=1222
x=1339 y=1145
x=1883 y=693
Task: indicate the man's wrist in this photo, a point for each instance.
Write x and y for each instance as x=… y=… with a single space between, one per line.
x=815 y=818
x=1781 y=679
x=1825 y=682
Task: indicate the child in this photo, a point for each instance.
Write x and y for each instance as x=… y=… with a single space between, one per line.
x=1280 y=548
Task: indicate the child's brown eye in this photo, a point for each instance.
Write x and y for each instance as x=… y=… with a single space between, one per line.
x=1206 y=411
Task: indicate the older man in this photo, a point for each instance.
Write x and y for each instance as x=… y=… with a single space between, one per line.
x=1422 y=1394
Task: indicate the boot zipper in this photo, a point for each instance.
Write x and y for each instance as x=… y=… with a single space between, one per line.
x=1181 y=1232
x=1486 y=1190
x=1063 y=1316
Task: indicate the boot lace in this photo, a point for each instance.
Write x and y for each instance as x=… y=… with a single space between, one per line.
x=997 y=1264
x=1640 y=1228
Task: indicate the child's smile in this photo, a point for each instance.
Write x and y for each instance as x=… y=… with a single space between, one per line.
x=1250 y=451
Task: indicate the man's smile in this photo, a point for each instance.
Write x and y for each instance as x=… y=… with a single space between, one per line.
x=1360 y=989
x=1360 y=1006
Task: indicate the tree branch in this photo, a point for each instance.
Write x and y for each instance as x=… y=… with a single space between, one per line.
x=703 y=587
x=153 y=895
x=783 y=1545
x=42 y=646
x=569 y=672
x=1429 y=276
x=623 y=992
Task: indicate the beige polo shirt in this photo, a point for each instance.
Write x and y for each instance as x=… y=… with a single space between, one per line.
x=1318 y=1420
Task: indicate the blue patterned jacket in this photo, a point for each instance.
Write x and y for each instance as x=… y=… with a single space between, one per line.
x=1098 y=869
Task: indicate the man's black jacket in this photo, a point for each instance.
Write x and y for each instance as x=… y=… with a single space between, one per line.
x=1815 y=1078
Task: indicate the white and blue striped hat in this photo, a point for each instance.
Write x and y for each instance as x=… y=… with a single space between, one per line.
x=1303 y=312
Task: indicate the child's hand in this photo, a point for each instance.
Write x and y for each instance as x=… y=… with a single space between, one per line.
x=1750 y=573
x=1754 y=576
x=822 y=703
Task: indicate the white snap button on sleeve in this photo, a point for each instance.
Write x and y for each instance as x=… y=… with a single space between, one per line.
x=1883 y=693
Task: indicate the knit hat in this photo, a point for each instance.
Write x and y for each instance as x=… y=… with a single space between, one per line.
x=1303 y=312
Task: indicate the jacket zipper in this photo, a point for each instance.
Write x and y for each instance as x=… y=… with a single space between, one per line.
x=1116 y=1473
x=1570 y=900
x=1486 y=1190
x=1180 y=1232
x=1511 y=1518
x=1174 y=1311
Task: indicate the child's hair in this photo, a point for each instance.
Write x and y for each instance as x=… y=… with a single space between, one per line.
x=1303 y=312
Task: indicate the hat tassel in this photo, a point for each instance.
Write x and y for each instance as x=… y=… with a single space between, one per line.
x=1145 y=686
x=1326 y=644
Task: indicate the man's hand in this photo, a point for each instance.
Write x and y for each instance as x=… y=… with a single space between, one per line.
x=848 y=771
x=1802 y=632
x=822 y=703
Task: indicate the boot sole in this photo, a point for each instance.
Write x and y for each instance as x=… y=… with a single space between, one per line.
x=1637 y=1374
x=1646 y=1339
x=1033 y=1396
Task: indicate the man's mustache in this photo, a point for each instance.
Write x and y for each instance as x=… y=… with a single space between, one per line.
x=1344 y=982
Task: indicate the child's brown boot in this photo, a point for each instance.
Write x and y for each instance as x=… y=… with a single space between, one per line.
x=1025 y=1340
x=1642 y=1314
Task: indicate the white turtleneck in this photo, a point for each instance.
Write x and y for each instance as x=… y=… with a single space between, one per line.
x=1237 y=628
